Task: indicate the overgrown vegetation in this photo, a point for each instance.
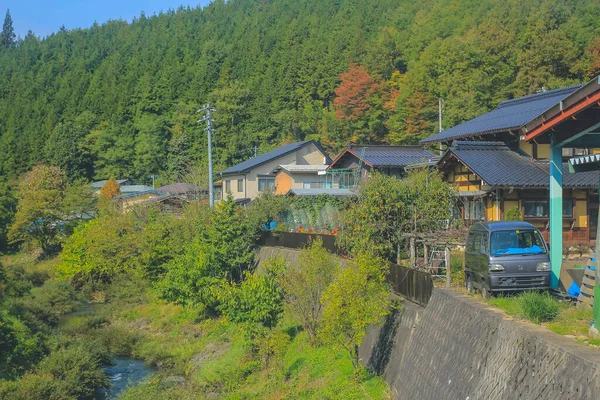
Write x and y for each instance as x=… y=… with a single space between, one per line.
x=183 y=294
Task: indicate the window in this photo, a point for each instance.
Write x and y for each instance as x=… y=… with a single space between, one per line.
x=517 y=242
x=568 y=208
x=240 y=185
x=266 y=184
x=541 y=208
x=536 y=208
x=474 y=210
x=228 y=186
x=313 y=185
x=477 y=242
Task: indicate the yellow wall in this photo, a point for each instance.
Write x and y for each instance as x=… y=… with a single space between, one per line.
x=581 y=210
x=527 y=147
x=543 y=151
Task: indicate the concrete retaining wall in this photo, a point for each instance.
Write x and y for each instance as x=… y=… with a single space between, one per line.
x=459 y=348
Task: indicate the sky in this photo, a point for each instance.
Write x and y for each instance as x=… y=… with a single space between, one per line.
x=46 y=16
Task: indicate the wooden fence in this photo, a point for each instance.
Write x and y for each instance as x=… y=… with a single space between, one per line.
x=410 y=283
x=413 y=284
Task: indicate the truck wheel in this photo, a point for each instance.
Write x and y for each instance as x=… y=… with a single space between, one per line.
x=469 y=284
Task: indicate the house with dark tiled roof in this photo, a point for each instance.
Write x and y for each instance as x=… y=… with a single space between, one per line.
x=357 y=161
x=247 y=179
x=495 y=170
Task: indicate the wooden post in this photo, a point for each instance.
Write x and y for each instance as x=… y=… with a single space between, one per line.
x=426 y=254
x=413 y=252
x=448 y=267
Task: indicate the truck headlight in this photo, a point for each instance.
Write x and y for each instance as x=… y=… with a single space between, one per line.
x=496 y=268
x=543 y=266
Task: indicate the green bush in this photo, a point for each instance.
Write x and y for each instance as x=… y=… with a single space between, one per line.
x=259 y=298
x=539 y=307
x=272 y=347
x=513 y=214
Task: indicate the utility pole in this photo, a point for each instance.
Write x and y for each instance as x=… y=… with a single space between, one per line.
x=209 y=130
x=440 y=113
x=153 y=176
x=255 y=151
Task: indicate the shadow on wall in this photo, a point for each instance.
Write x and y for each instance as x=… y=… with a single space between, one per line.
x=380 y=357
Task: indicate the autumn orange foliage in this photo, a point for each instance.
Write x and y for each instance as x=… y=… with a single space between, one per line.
x=111 y=189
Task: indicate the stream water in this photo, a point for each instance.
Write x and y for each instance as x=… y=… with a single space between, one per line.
x=124 y=371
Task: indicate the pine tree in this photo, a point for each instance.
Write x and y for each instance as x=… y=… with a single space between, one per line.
x=7 y=37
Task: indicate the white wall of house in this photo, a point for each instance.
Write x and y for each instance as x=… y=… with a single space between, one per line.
x=307 y=155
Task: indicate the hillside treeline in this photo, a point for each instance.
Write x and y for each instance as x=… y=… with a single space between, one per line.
x=120 y=99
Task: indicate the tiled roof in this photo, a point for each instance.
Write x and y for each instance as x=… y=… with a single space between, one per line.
x=390 y=156
x=582 y=180
x=499 y=166
x=252 y=163
x=510 y=114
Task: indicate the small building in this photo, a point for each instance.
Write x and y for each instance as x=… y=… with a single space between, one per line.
x=126 y=186
x=129 y=200
x=247 y=179
x=189 y=191
x=357 y=161
x=292 y=176
x=320 y=192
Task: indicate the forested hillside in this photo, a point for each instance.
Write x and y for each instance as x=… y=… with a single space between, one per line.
x=119 y=99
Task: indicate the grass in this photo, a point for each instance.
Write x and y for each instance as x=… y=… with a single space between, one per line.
x=569 y=320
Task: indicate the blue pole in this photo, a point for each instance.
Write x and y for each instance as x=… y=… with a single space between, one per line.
x=556 y=212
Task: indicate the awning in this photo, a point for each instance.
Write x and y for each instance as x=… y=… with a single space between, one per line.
x=473 y=193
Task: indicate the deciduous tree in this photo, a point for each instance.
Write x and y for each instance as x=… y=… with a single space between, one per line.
x=356 y=299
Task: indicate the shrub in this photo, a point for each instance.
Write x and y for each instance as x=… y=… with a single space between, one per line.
x=259 y=298
x=513 y=214
x=539 y=307
x=272 y=347
x=303 y=286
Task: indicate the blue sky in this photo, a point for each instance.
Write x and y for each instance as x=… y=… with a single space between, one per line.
x=45 y=17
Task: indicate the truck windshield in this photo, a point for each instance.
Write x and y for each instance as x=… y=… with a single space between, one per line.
x=517 y=242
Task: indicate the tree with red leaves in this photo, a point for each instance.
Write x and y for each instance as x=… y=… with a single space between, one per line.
x=352 y=96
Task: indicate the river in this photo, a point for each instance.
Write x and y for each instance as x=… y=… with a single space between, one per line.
x=124 y=371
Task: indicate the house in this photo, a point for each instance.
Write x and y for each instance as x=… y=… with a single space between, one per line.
x=492 y=179
x=495 y=170
x=247 y=179
x=357 y=161
x=187 y=190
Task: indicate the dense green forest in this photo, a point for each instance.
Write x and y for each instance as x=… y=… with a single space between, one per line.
x=120 y=99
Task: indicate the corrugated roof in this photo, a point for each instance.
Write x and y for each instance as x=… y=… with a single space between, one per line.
x=252 y=163
x=510 y=114
x=100 y=184
x=135 y=188
x=302 y=168
x=318 y=192
x=380 y=156
x=499 y=166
